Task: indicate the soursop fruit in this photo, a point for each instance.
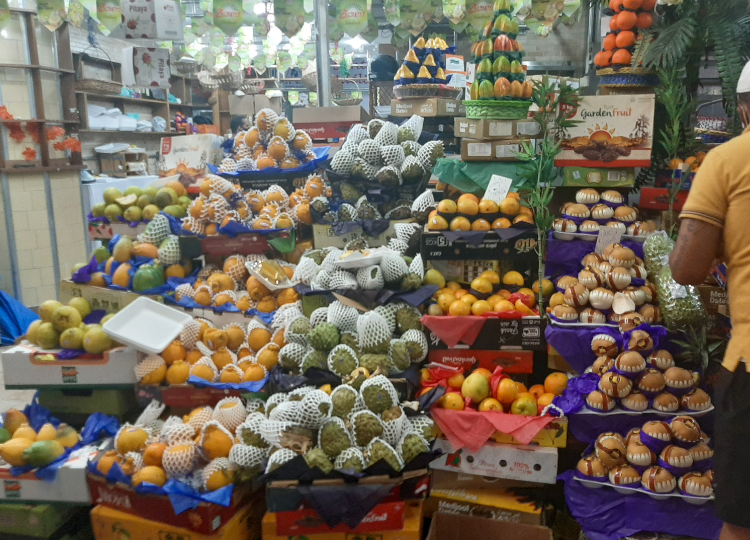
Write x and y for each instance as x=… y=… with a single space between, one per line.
x=393 y=155
x=324 y=336
x=412 y=445
x=330 y=217
x=314 y=359
x=388 y=134
x=249 y=431
x=363 y=169
x=412 y=170
x=347 y=212
x=318 y=458
x=357 y=244
x=405 y=133
x=366 y=210
x=374 y=126
x=388 y=177
x=279 y=458
x=345 y=400
x=350 y=459
x=370 y=278
x=430 y=153
x=349 y=192
x=394 y=267
x=369 y=150
x=423 y=425
x=342 y=360
x=371 y=362
x=366 y=426
x=408 y=318
x=291 y=356
x=402 y=211
x=342 y=162
x=416 y=342
x=357 y=134
x=351 y=340
x=333 y=437
x=399 y=355
x=411 y=282
x=411 y=148
x=379 y=450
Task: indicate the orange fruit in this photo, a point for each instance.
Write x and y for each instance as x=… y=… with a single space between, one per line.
x=483 y=285
x=437 y=223
x=460 y=223
x=487 y=206
x=269 y=357
x=254 y=373
x=613 y=24
x=521 y=387
x=178 y=373
x=503 y=305
x=456 y=381
x=510 y=206
x=625 y=21
x=537 y=390
x=256 y=289
x=222 y=358
x=609 y=42
x=447 y=206
x=603 y=58
x=468 y=298
x=458 y=293
x=258 y=338
x=453 y=285
x=615 y=5
x=445 y=300
x=501 y=223
x=267 y=304
x=625 y=39
x=453 y=401
x=644 y=20
x=622 y=56
x=469 y=197
x=459 y=309
x=481 y=225
x=278 y=337
x=490 y=404
x=480 y=307
x=265 y=161
x=507 y=391
x=491 y=276
x=174 y=351
x=97 y=280
x=648 y=5
x=287 y=296
x=556 y=383
x=174 y=270
x=631 y=4
x=544 y=400
x=314 y=187
x=469 y=207
x=235 y=337
x=523 y=218
x=193 y=356
x=153 y=454
x=215 y=339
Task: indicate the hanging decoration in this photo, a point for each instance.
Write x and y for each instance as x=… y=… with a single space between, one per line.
x=109 y=14
x=479 y=13
x=207 y=7
x=459 y=26
x=352 y=16
x=392 y=10
x=372 y=32
x=335 y=32
x=259 y=64
x=51 y=13
x=455 y=10
x=4 y=13
x=289 y=16
x=412 y=15
x=283 y=61
x=216 y=37
x=76 y=14
x=228 y=16
x=235 y=63
x=434 y=12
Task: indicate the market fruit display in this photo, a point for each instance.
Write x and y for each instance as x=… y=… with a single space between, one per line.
x=141 y=204
x=471 y=213
x=659 y=457
x=272 y=141
x=422 y=73
x=630 y=19
x=22 y=445
x=62 y=327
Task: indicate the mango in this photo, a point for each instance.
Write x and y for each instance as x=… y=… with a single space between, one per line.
x=123 y=250
x=12 y=451
x=66 y=435
x=42 y=453
x=13 y=420
x=47 y=433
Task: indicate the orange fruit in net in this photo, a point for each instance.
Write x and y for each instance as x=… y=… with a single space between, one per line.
x=269 y=357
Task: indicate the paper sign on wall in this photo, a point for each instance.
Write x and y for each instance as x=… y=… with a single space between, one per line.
x=607 y=236
x=498 y=188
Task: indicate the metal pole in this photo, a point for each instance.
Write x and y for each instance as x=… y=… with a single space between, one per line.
x=323 y=57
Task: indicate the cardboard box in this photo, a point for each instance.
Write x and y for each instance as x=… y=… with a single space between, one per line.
x=109 y=300
x=110 y=524
x=189 y=155
x=498 y=505
x=241 y=105
x=69 y=485
x=262 y=101
x=465 y=357
x=85 y=402
x=495 y=129
x=427 y=108
x=205 y=519
x=716 y=301
x=495 y=150
x=37 y=521
x=329 y=122
x=412 y=529
x=554 y=435
x=515 y=462
x=182 y=396
x=600 y=178
x=384 y=517
x=434 y=245
x=658 y=199
x=147 y=19
x=323 y=236
x=243 y=244
x=106 y=231
x=496 y=335
x=451 y=527
x=146 y=67
x=113 y=165
x=457 y=480
x=23 y=368
x=611 y=132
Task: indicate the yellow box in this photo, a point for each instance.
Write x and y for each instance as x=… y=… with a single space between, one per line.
x=413 y=518
x=500 y=505
x=109 y=524
x=555 y=435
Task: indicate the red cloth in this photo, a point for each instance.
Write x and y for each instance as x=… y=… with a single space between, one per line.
x=455 y=330
x=473 y=428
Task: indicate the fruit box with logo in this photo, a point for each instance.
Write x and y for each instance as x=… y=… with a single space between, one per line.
x=495 y=504
x=515 y=462
x=485 y=130
x=182 y=396
x=428 y=107
x=514 y=244
x=206 y=518
x=152 y=19
x=658 y=199
x=329 y=122
x=553 y=435
x=189 y=155
x=599 y=178
x=449 y=527
x=323 y=236
x=110 y=524
x=69 y=485
x=25 y=366
x=411 y=530
x=611 y=132
x=496 y=150
x=106 y=231
x=306 y=521
x=465 y=357
x=109 y=300
x=497 y=335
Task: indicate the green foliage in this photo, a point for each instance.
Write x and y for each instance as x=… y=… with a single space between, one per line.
x=725 y=35
x=671 y=46
x=697 y=352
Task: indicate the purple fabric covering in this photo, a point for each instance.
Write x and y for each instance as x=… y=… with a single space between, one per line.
x=564 y=256
x=574 y=343
x=605 y=514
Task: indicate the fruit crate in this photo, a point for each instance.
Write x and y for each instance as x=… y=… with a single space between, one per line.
x=109 y=300
x=106 y=231
x=508 y=244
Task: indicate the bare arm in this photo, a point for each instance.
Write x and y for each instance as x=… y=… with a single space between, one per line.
x=696 y=248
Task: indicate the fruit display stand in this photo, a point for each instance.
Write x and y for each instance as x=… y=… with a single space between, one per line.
x=107 y=231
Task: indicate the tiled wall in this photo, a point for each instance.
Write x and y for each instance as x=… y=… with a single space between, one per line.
x=69 y=222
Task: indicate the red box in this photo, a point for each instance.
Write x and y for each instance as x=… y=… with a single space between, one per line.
x=384 y=517
x=183 y=396
x=658 y=199
x=510 y=361
x=206 y=518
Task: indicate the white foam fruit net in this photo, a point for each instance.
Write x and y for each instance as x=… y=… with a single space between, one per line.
x=190 y=332
x=318 y=316
x=234 y=267
x=314 y=408
x=218 y=207
x=286 y=314
x=380 y=381
x=293 y=337
x=178 y=460
x=208 y=427
x=247 y=457
x=231 y=368
x=250 y=427
x=357 y=134
x=370 y=278
x=397 y=244
x=278 y=191
x=423 y=425
x=149 y=364
x=348 y=455
x=291 y=355
x=206 y=361
x=230 y=412
x=285 y=412
x=274 y=400
x=393 y=266
x=417 y=266
x=156 y=230
x=356 y=423
x=346 y=400
x=199 y=419
x=298 y=393
x=387 y=135
x=404 y=231
x=185 y=290
x=340 y=423
x=394 y=429
x=178 y=434
x=422 y=203
x=306 y=270
x=400 y=445
x=414 y=124
x=333 y=364
x=207 y=270
x=388 y=312
x=255 y=405
x=272 y=430
x=331 y=258
x=151 y=413
x=136 y=459
x=418 y=337
x=375 y=441
x=218 y=464
x=278 y=458
x=342 y=316
x=193 y=225
x=341 y=279
x=321 y=280
x=372 y=329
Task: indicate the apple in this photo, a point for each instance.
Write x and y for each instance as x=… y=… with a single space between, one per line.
x=525 y=405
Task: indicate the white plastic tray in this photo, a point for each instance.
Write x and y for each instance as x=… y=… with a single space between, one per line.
x=358 y=260
x=146 y=325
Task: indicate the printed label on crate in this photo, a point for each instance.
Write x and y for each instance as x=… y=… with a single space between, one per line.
x=507 y=150
x=479 y=149
x=112 y=497
x=69 y=375
x=438 y=245
x=12 y=489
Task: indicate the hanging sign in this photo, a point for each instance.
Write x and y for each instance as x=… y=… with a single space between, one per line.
x=259 y=64
x=283 y=61
x=75 y=13
x=290 y=16
x=228 y=16
x=479 y=13
x=109 y=14
x=51 y=13
x=372 y=32
x=455 y=10
x=4 y=13
x=392 y=12
x=352 y=16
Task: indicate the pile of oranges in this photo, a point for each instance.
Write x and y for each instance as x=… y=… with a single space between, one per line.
x=693 y=162
x=630 y=17
x=470 y=213
x=487 y=294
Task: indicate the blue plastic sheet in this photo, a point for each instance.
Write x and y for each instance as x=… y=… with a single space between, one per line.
x=15 y=318
x=244 y=387
x=320 y=153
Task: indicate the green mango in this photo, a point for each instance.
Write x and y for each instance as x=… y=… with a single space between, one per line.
x=484 y=69
x=501 y=65
x=474 y=90
x=502 y=5
x=487 y=48
x=4 y=435
x=148 y=276
x=486 y=90
x=516 y=67
x=501 y=24
x=42 y=453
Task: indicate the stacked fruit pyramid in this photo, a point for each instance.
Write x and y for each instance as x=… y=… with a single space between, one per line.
x=631 y=18
x=423 y=70
x=499 y=72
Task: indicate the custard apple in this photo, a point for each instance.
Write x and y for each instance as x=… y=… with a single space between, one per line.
x=318 y=458
x=365 y=210
x=412 y=169
x=388 y=177
x=357 y=244
x=372 y=362
x=374 y=126
x=399 y=354
x=333 y=438
x=314 y=359
x=376 y=398
x=412 y=445
x=416 y=342
x=349 y=192
x=393 y=155
x=365 y=427
x=342 y=360
x=406 y=134
x=347 y=212
x=330 y=217
x=324 y=336
x=320 y=205
x=363 y=169
x=407 y=318
x=411 y=282
x=411 y=148
x=344 y=399
x=350 y=459
x=351 y=340
x=388 y=134
x=291 y=356
x=423 y=425
x=388 y=312
x=379 y=450
x=430 y=153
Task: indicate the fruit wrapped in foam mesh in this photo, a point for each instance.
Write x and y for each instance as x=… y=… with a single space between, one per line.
x=314 y=408
x=179 y=460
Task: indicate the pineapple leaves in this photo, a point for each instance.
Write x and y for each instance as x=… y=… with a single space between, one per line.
x=671 y=45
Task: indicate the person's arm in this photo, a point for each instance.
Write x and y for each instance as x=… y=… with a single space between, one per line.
x=695 y=251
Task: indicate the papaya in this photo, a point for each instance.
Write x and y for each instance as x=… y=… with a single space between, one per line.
x=12 y=451
x=145 y=249
x=42 y=453
x=121 y=277
x=123 y=249
x=147 y=277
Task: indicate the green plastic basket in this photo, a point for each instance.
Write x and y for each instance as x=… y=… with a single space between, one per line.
x=497 y=109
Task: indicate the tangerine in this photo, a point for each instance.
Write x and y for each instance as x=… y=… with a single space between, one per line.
x=631 y=4
x=613 y=24
x=609 y=42
x=487 y=206
x=287 y=296
x=314 y=187
x=254 y=373
x=153 y=454
x=625 y=39
x=615 y=5
x=444 y=301
x=256 y=289
x=480 y=307
x=460 y=223
x=507 y=391
x=193 y=356
x=510 y=206
x=626 y=21
x=267 y=304
x=269 y=357
x=235 y=337
x=556 y=383
x=174 y=351
x=537 y=390
x=484 y=372
x=645 y=20
x=544 y=400
x=222 y=358
x=468 y=207
x=437 y=223
x=178 y=373
x=481 y=225
x=459 y=309
x=501 y=223
x=648 y=5
x=622 y=57
x=453 y=401
x=258 y=338
x=468 y=197
x=265 y=161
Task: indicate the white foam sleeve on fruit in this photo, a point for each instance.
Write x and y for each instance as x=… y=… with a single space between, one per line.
x=372 y=330
x=277 y=191
x=251 y=425
x=218 y=185
x=342 y=162
x=393 y=266
x=285 y=412
x=218 y=207
x=190 y=332
x=415 y=124
x=378 y=440
x=366 y=281
x=230 y=417
x=286 y=313
x=393 y=430
x=234 y=267
x=278 y=458
x=393 y=155
x=137 y=460
x=292 y=354
x=271 y=431
x=156 y=230
x=399 y=446
x=358 y=405
x=293 y=337
x=340 y=423
x=178 y=434
x=417 y=266
x=382 y=382
x=337 y=350
x=200 y=418
x=147 y=365
x=247 y=457
x=193 y=225
x=231 y=368
x=205 y=351
x=306 y=271
x=320 y=281
x=387 y=135
x=348 y=455
x=423 y=425
x=314 y=408
x=342 y=280
x=231 y=294
x=206 y=271
x=404 y=231
x=238 y=326
x=300 y=392
x=206 y=361
x=330 y=260
x=169 y=250
x=318 y=316
x=398 y=245
x=342 y=316
x=206 y=430
x=388 y=312
x=354 y=418
x=417 y=336
x=181 y=463
x=357 y=134
x=254 y=406
x=218 y=464
x=397 y=369
x=274 y=400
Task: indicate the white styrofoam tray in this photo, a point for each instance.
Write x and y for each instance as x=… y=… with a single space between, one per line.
x=146 y=325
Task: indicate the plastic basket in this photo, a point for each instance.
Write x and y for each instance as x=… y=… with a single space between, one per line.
x=497 y=109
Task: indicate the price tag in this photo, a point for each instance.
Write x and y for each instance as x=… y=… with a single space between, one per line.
x=498 y=188
x=607 y=236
